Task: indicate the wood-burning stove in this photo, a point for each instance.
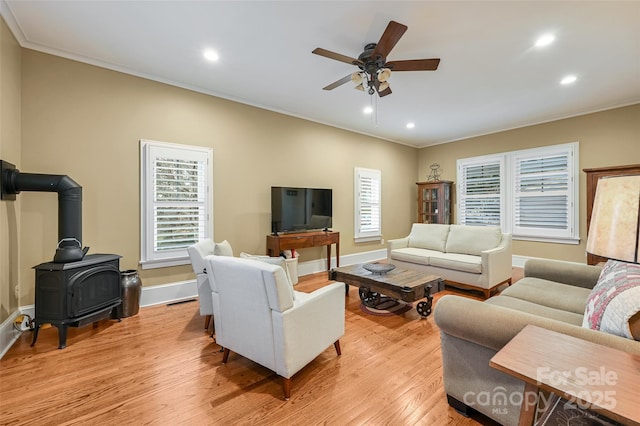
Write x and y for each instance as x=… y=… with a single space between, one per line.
x=77 y=293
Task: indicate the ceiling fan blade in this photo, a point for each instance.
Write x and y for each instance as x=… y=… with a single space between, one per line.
x=340 y=82
x=414 y=65
x=385 y=92
x=336 y=56
x=389 y=38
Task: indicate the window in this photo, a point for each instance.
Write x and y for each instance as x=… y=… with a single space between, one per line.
x=368 y=224
x=531 y=194
x=176 y=201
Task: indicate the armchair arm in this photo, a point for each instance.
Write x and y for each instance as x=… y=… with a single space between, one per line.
x=497 y=263
x=575 y=274
x=302 y=332
x=494 y=326
x=396 y=244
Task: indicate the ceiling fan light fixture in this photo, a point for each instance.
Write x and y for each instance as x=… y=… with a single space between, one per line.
x=383 y=86
x=359 y=87
x=356 y=77
x=384 y=74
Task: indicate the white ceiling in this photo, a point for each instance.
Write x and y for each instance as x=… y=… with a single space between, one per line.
x=490 y=77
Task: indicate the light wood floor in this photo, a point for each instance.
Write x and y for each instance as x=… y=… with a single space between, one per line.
x=160 y=367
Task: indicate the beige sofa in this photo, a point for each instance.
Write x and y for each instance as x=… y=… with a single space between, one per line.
x=477 y=257
x=552 y=295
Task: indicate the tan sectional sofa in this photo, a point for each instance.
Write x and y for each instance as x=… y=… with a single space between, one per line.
x=552 y=295
x=477 y=257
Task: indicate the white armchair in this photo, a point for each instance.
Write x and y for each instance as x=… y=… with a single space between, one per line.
x=197 y=253
x=262 y=317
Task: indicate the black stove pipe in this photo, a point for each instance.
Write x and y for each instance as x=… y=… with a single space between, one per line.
x=69 y=197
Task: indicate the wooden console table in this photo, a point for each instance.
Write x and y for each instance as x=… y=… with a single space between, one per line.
x=598 y=377
x=277 y=243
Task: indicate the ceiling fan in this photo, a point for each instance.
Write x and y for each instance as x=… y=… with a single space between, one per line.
x=374 y=69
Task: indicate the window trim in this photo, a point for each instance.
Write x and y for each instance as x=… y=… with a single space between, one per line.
x=507 y=189
x=361 y=237
x=149 y=259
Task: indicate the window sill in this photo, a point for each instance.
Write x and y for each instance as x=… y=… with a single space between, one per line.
x=367 y=239
x=164 y=263
x=572 y=241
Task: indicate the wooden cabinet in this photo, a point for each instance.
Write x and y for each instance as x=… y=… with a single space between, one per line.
x=592 y=183
x=434 y=202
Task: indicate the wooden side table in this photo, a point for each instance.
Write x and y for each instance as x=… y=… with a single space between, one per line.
x=593 y=376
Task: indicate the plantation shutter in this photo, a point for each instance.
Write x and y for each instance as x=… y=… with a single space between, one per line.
x=179 y=211
x=177 y=199
x=368 y=205
x=479 y=193
x=542 y=195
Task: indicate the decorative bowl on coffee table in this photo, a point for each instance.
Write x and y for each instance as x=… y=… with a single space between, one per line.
x=379 y=268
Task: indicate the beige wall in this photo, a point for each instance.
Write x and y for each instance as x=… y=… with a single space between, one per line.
x=605 y=138
x=9 y=151
x=86 y=122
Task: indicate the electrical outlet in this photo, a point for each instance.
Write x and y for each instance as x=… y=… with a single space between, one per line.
x=16 y=291
x=382 y=241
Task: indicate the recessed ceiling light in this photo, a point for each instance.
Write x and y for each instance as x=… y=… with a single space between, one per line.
x=568 y=80
x=210 y=55
x=410 y=125
x=367 y=110
x=545 y=40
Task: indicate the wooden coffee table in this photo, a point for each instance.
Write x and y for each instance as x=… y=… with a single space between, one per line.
x=406 y=285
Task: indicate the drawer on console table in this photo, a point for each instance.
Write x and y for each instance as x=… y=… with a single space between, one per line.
x=296 y=242
x=321 y=240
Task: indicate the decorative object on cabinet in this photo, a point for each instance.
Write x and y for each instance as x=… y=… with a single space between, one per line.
x=592 y=182
x=434 y=175
x=434 y=202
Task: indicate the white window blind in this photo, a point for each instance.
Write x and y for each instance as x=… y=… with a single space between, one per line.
x=176 y=201
x=480 y=193
x=368 y=224
x=531 y=194
x=542 y=192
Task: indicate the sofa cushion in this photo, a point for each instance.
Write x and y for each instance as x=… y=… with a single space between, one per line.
x=549 y=293
x=614 y=302
x=223 y=249
x=535 y=309
x=431 y=236
x=458 y=262
x=413 y=255
x=472 y=239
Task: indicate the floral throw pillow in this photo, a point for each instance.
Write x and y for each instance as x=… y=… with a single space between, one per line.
x=614 y=302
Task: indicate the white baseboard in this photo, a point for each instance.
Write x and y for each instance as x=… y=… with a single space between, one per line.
x=319 y=265
x=8 y=333
x=168 y=293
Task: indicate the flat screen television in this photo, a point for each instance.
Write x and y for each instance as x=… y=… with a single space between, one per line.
x=300 y=209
